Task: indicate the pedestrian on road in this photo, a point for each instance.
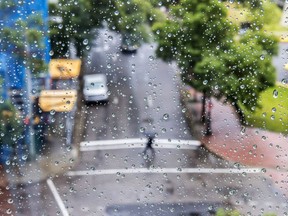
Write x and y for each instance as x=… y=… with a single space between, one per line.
x=150 y=141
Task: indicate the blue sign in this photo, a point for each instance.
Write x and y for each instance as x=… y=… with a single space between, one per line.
x=15 y=68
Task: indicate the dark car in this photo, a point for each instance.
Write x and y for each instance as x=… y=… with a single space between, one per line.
x=129 y=44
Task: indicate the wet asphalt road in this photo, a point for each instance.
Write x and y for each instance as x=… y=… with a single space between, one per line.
x=142 y=87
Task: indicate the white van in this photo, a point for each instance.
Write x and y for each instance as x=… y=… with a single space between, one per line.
x=95 y=88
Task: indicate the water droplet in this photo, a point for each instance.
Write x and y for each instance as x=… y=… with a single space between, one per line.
x=34 y=55
x=61 y=125
x=116 y=13
x=109 y=65
x=166 y=116
x=273 y=109
x=142 y=129
x=51 y=53
x=262 y=57
x=243 y=129
x=263 y=170
x=163 y=130
x=52 y=112
x=33 y=91
x=275 y=93
x=85 y=41
x=9 y=211
x=205 y=82
x=283 y=81
x=151 y=58
x=24 y=157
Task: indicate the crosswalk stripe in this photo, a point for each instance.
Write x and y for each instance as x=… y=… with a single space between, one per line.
x=138 y=143
x=163 y=170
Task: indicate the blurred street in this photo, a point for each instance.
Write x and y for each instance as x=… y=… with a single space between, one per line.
x=144 y=97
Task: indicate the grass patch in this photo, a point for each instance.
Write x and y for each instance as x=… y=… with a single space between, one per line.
x=273 y=113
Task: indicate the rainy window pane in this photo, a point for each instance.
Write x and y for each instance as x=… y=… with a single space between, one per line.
x=129 y=107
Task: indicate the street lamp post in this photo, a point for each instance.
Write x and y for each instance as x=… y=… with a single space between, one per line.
x=208 y=129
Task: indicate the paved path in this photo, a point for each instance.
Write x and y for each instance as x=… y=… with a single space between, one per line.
x=233 y=142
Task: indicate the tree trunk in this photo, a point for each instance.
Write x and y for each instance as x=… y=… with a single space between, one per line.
x=240 y=113
x=203 y=112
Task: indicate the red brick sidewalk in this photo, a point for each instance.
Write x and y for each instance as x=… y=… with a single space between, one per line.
x=248 y=146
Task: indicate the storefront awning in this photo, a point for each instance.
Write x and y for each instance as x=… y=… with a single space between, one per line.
x=64 y=68
x=57 y=100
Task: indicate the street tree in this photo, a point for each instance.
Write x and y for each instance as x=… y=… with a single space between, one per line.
x=10 y=125
x=192 y=28
x=200 y=37
x=24 y=39
x=79 y=20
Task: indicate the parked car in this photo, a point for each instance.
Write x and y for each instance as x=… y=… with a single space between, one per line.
x=95 y=88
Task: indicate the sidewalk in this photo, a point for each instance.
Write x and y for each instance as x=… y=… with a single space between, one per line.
x=230 y=140
x=56 y=157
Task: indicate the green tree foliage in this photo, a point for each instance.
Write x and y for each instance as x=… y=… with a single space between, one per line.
x=222 y=212
x=23 y=39
x=80 y=18
x=10 y=126
x=202 y=41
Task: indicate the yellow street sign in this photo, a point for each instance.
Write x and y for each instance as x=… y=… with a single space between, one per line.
x=57 y=100
x=64 y=68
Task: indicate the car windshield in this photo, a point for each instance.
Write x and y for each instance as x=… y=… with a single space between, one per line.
x=94 y=85
x=136 y=108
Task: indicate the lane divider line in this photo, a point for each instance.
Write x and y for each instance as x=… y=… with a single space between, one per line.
x=163 y=170
x=57 y=197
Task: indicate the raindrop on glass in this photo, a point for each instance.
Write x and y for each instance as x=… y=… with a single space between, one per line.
x=166 y=116
x=275 y=93
x=85 y=41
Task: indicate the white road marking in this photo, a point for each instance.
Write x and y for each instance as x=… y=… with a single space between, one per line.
x=138 y=143
x=57 y=197
x=150 y=101
x=163 y=170
x=115 y=100
x=114 y=58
